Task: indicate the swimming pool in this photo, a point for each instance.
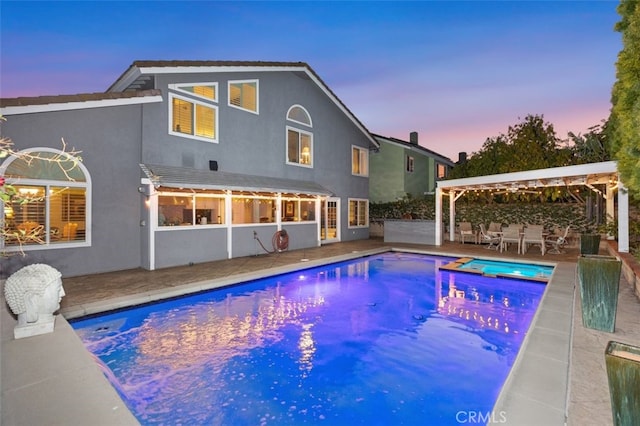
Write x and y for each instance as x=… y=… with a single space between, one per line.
x=496 y=268
x=386 y=339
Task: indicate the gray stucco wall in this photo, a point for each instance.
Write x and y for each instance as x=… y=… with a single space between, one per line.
x=256 y=144
x=109 y=141
x=183 y=246
x=114 y=140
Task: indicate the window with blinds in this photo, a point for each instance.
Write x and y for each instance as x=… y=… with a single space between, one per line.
x=358 y=213
x=42 y=211
x=206 y=91
x=359 y=161
x=193 y=118
x=244 y=95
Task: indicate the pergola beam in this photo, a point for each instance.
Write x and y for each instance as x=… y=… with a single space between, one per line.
x=582 y=174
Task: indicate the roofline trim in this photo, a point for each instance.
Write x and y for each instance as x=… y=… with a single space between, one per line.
x=136 y=71
x=413 y=147
x=67 y=106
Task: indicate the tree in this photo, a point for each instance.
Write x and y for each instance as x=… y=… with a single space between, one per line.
x=592 y=147
x=625 y=98
x=528 y=145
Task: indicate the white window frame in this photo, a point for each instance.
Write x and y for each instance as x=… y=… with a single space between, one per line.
x=179 y=88
x=309 y=124
x=48 y=183
x=362 y=153
x=193 y=197
x=366 y=209
x=286 y=150
x=410 y=164
x=257 y=82
x=194 y=101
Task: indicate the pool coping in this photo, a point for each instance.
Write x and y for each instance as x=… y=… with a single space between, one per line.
x=526 y=397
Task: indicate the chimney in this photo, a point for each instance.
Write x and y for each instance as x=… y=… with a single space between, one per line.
x=413 y=138
x=462 y=157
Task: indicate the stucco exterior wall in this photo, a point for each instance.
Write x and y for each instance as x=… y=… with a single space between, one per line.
x=109 y=141
x=115 y=140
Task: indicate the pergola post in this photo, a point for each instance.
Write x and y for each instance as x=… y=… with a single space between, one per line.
x=452 y=216
x=439 y=227
x=623 y=219
x=610 y=209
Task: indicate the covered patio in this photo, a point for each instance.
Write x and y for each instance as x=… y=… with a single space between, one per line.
x=588 y=175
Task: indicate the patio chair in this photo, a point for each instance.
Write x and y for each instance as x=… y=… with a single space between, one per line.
x=533 y=234
x=510 y=234
x=486 y=238
x=557 y=243
x=466 y=231
x=495 y=228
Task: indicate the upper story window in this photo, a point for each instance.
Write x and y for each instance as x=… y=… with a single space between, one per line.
x=194 y=118
x=441 y=171
x=51 y=207
x=243 y=94
x=298 y=114
x=359 y=161
x=299 y=147
x=409 y=163
x=206 y=91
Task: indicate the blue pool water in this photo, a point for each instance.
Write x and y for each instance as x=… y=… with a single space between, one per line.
x=382 y=340
x=523 y=270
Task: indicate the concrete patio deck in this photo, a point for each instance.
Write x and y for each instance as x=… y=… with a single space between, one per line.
x=558 y=378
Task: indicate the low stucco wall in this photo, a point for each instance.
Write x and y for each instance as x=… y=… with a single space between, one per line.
x=410 y=231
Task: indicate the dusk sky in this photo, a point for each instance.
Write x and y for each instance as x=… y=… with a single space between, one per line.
x=456 y=72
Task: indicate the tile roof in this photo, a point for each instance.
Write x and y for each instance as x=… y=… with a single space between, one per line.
x=412 y=145
x=81 y=97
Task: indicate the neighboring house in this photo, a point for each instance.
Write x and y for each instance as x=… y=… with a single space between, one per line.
x=188 y=161
x=400 y=168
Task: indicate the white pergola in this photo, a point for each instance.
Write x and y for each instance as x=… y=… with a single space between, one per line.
x=605 y=173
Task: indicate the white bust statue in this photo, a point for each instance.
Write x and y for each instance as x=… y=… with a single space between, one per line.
x=33 y=293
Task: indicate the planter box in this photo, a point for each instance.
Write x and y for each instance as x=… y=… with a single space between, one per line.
x=599 y=278
x=623 y=373
x=589 y=243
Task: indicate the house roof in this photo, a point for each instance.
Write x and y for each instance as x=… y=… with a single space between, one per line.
x=139 y=76
x=416 y=147
x=27 y=105
x=183 y=177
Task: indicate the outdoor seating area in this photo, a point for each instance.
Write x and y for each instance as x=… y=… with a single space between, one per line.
x=522 y=237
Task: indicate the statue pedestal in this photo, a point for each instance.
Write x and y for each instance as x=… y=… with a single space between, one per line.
x=34 y=329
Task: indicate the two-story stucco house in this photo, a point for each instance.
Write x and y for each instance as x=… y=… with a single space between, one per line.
x=187 y=161
x=400 y=168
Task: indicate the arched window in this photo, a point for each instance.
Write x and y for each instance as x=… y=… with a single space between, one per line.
x=51 y=204
x=300 y=115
